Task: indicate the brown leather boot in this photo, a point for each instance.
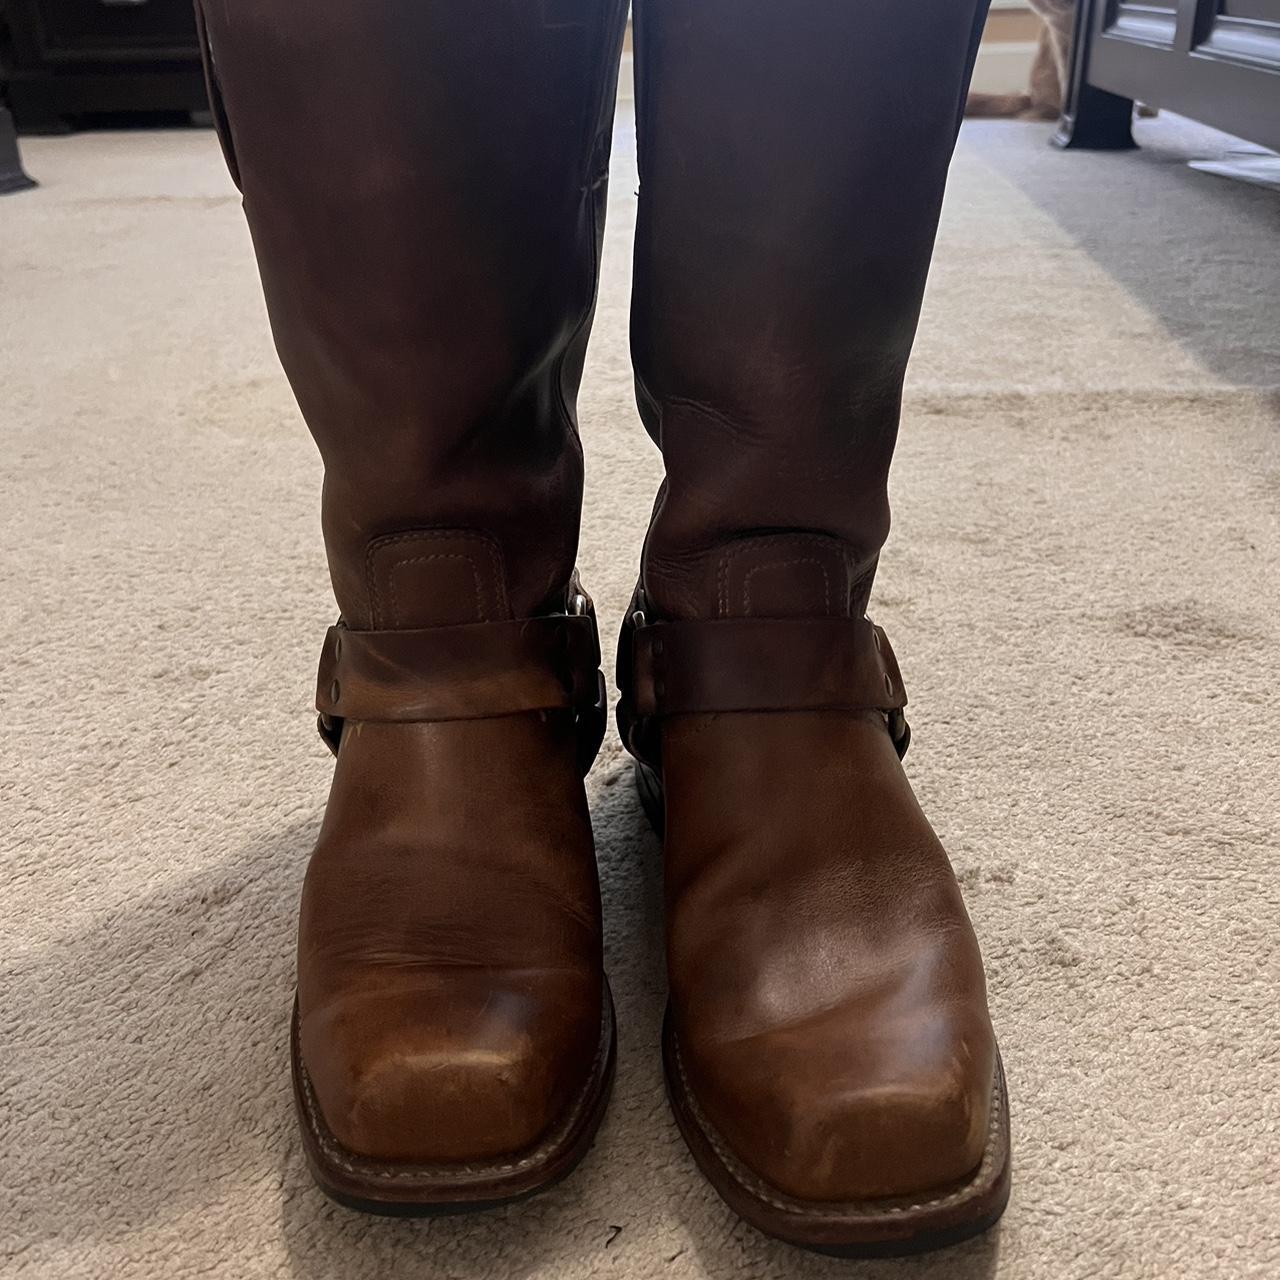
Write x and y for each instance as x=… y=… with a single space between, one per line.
x=829 y=1054
x=424 y=183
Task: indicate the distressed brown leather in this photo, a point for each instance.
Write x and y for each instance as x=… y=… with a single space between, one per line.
x=828 y=999
x=828 y=1032
x=450 y=981
x=424 y=183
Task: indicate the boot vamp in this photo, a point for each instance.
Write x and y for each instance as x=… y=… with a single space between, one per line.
x=449 y=969
x=828 y=994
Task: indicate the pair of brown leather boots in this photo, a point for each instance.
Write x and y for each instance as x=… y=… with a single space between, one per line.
x=424 y=181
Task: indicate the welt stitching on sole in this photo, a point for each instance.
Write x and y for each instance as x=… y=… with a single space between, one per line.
x=755 y=1187
x=352 y=1164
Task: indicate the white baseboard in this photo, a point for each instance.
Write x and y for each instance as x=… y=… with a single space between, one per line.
x=1004 y=66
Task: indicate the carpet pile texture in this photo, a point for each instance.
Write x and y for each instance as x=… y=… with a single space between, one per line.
x=1082 y=587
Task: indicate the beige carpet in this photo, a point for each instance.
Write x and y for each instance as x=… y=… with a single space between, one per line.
x=1082 y=585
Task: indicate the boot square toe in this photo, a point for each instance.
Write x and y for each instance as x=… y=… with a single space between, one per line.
x=414 y=1120
x=871 y=1171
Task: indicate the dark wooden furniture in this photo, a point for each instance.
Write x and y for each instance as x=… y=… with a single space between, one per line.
x=1217 y=61
x=67 y=61
x=12 y=175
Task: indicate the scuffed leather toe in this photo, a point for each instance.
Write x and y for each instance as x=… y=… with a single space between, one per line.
x=465 y=1070
x=818 y=1113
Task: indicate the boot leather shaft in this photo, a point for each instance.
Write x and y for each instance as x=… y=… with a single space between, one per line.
x=828 y=1028
x=424 y=184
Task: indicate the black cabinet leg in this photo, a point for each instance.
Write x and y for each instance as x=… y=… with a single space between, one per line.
x=1095 y=120
x=1092 y=119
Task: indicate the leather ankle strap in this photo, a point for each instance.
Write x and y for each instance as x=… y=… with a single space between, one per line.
x=763 y=664
x=467 y=672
